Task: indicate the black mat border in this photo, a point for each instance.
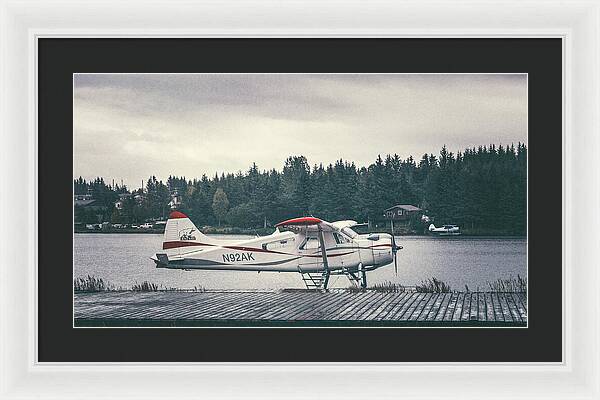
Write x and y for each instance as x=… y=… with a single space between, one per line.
x=59 y=58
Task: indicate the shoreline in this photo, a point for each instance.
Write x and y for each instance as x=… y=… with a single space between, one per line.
x=268 y=232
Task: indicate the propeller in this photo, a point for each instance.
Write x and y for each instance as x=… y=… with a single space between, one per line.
x=395 y=249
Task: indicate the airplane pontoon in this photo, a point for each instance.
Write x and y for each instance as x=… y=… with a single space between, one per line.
x=310 y=246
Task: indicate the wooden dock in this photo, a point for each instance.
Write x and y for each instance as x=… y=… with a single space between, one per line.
x=299 y=308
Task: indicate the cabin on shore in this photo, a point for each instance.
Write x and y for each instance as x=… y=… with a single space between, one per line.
x=402 y=212
x=400 y=216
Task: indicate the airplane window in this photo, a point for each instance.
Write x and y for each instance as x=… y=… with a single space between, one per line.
x=278 y=244
x=338 y=238
x=311 y=243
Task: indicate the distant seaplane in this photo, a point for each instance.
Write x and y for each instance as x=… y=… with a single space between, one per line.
x=310 y=246
x=445 y=230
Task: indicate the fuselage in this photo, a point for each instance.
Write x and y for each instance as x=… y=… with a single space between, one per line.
x=288 y=251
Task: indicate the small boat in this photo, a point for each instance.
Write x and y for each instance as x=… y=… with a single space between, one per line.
x=445 y=230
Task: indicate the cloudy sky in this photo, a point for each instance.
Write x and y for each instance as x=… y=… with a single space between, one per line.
x=132 y=126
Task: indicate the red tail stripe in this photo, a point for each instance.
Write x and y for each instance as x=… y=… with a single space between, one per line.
x=177 y=214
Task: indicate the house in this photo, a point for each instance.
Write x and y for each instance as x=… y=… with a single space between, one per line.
x=87 y=208
x=85 y=200
x=121 y=202
x=175 y=199
x=402 y=212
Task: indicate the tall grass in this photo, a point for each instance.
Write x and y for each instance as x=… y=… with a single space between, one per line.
x=91 y=284
x=433 y=285
x=385 y=287
x=145 y=287
x=511 y=284
x=388 y=287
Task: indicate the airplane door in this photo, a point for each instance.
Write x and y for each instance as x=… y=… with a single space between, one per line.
x=348 y=257
x=312 y=259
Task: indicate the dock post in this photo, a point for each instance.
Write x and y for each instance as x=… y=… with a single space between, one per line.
x=324 y=254
x=363 y=275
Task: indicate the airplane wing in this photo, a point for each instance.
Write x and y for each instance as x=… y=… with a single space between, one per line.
x=313 y=224
x=306 y=223
x=339 y=225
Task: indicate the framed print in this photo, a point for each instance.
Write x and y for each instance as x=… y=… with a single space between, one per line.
x=339 y=277
x=446 y=243
x=271 y=205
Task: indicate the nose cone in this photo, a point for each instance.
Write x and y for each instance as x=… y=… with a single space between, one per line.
x=383 y=249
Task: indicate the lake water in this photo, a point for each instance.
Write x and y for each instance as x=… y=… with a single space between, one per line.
x=124 y=259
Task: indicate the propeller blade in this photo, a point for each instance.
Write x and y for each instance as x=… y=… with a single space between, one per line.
x=394 y=251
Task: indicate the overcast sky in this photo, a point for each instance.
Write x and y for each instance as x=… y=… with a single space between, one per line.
x=132 y=126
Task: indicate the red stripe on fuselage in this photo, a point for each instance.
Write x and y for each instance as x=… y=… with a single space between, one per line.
x=256 y=249
x=178 y=243
x=328 y=255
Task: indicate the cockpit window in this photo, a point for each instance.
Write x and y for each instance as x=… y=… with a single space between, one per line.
x=339 y=238
x=310 y=243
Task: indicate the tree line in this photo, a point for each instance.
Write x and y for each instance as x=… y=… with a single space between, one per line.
x=481 y=189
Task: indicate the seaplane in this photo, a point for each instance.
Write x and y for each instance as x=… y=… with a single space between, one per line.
x=445 y=230
x=315 y=248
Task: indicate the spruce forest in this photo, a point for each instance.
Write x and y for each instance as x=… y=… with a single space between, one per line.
x=482 y=189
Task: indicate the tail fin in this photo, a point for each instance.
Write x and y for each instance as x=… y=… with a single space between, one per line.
x=432 y=227
x=181 y=229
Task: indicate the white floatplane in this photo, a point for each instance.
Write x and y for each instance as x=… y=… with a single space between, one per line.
x=310 y=246
x=445 y=230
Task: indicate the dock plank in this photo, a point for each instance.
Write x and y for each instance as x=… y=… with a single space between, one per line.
x=353 y=311
x=383 y=305
x=423 y=308
x=489 y=308
x=481 y=309
x=466 y=312
x=435 y=307
x=505 y=308
x=520 y=306
x=459 y=307
x=443 y=307
x=451 y=307
x=288 y=306
x=499 y=315
x=403 y=312
x=393 y=305
x=512 y=306
x=321 y=312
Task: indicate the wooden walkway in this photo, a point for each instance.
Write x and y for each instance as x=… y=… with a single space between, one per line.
x=299 y=308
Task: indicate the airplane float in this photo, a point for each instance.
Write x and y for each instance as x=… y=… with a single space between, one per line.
x=310 y=246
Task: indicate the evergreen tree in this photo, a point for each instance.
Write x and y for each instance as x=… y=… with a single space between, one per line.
x=220 y=204
x=482 y=189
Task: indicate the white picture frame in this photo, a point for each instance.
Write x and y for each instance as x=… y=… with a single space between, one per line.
x=23 y=22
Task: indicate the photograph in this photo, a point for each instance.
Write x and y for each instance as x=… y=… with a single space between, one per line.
x=312 y=200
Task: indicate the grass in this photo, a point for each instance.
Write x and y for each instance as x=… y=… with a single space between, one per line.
x=91 y=284
x=145 y=287
x=388 y=287
x=433 y=285
x=385 y=287
x=511 y=284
